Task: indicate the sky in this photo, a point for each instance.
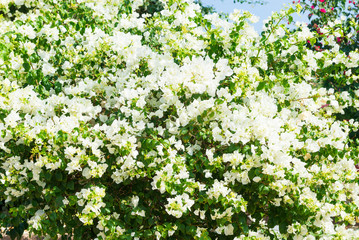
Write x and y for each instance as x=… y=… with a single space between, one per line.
x=262 y=11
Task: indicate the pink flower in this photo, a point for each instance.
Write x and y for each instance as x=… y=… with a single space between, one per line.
x=321 y=0
x=322 y=10
x=312 y=7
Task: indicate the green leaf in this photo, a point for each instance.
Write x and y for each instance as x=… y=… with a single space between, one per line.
x=260 y=86
x=58 y=87
x=72 y=200
x=283 y=228
x=47 y=176
x=252 y=173
x=285 y=83
x=58 y=201
x=53 y=216
x=48 y=197
x=290 y=19
x=243 y=223
x=139 y=220
x=263 y=189
x=58 y=176
x=181 y=227
x=26 y=66
x=71 y=185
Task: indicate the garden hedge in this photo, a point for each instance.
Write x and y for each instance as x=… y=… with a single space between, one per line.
x=124 y=120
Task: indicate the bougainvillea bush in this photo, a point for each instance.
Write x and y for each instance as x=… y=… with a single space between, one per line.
x=323 y=13
x=118 y=121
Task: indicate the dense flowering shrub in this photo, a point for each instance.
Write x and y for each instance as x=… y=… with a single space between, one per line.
x=347 y=39
x=322 y=11
x=121 y=123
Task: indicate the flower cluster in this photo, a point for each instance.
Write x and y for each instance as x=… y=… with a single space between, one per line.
x=122 y=122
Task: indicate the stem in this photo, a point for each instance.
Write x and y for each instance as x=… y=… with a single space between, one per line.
x=275 y=27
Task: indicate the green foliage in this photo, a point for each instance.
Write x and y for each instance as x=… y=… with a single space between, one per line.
x=344 y=16
x=160 y=119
